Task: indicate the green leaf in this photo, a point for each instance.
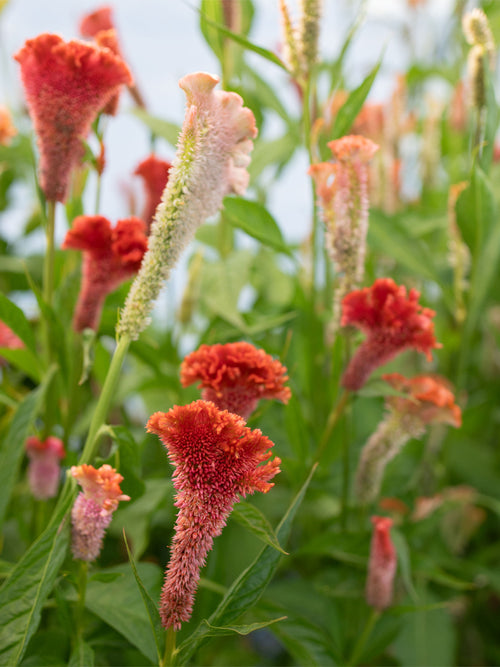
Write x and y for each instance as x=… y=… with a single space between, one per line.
x=492 y=117
x=476 y=210
x=250 y=585
x=128 y=461
x=214 y=631
x=25 y=591
x=335 y=69
x=15 y=319
x=24 y=359
x=256 y=221
x=150 y=606
x=276 y=152
x=158 y=126
x=404 y=563
x=211 y=12
x=82 y=655
x=120 y=605
x=250 y=517
x=305 y=641
x=12 y=449
x=352 y=106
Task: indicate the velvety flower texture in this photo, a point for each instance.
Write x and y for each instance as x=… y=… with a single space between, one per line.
x=217 y=458
x=93 y=508
x=111 y=255
x=66 y=85
x=211 y=160
x=392 y=321
x=154 y=173
x=429 y=400
x=8 y=339
x=235 y=376
x=381 y=566
x=44 y=467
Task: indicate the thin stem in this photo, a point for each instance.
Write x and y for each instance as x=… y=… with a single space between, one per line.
x=360 y=644
x=48 y=267
x=104 y=402
x=333 y=418
x=168 y=656
x=82 y=593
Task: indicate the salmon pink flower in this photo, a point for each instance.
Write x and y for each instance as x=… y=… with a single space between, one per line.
x=66 y=85
x=9 y=340
x=7 y=129
x=44 y=467
x=382 y=565
x=217 y=459
x=93 y=508
x=392 y=320
x=154 y=173
x=235 y=376
x=211 y=160
x=111 y=255
x=427 y=400
x=96 y=21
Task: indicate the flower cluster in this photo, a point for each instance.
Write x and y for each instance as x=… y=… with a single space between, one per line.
x=44 y=466
x=392 y=320
x=235 y=376
x=217 y=459
x=111 y=255
x=93 y=508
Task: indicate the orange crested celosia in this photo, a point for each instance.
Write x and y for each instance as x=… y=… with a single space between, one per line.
x=427 y=400
x=217 y=459
x=7 y=129
x=44 y=467
x=154 y=173
x=382 y=565
x=93 y=508
x=235 y=376
x=111 y=255
x=211 y=160
x=66 y=85
x=96 y=21
x=392 y=320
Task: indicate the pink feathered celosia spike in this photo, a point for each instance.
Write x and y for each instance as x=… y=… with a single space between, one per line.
x=381 y=566
x=217 y=458
x=235 y=376
x=66 y=85
x=44 y=468
x=392 y=321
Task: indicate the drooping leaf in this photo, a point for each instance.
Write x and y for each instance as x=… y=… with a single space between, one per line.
x=251 y=517
x=242 y=630
x=255 y=220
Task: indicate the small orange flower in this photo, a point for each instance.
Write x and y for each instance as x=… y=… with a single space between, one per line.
x=154 y=174
x=235 y=376
x=7 y=129
x=66 y=85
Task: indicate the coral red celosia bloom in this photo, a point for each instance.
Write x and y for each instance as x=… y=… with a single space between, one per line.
x=8 y=339
x=429 y=399
x=154 y=174
x=96 y=21
x=381 y=566
x=93 y=508
x=44 y=466
x=66 y=85
x=111 y=255
x=392 y=321
x=235 y=376
x=217 y=458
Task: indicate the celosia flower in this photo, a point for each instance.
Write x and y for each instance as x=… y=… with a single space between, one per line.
x=93 y=508
x=235 y=376
x=111 y=255
x=7 y=129
x=44 y=467
x=342 y=190
x=428 y=400
x=8 y=339
x=381 y=566
x=392 y=320
x=96 y=21
x=154 y=173
x=211 y=160
x=66 y=85
x=217 y=458
x=301 y=42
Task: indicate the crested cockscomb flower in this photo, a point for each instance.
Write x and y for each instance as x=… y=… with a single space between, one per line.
x=44 y=466
x=235 y=376
x=427 y=399
x=93 y=508
x=154 y=173
x=9 y=340
x=66 y=85
x=342 y=190
x=7 y=129
x=382 y=565
x=217 y=459
x=111 y=255
x=96 y=21
x=392 y=320
x=211 y=160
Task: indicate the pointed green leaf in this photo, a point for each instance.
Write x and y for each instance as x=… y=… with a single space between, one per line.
x=352 y=106
x=476 y=209
x=214 y=631
x=24 y=359
x=15 y=319
x=256 y=221
x=211 y=12
x=404 y=563
x=161 y=128
x=82 y=655
x=250 y=517
x=305 y=641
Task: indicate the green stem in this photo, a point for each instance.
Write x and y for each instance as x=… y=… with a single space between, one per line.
x=48 y=266
x=333 y=418
x=82 y=592
x=168 y=656
x=360 y=644
x=104 y=402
